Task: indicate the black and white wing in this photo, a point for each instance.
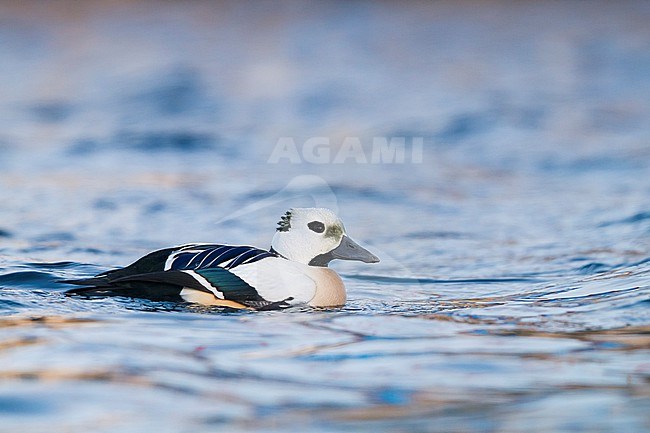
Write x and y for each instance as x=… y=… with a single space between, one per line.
x=205 y=256
x=164 y=274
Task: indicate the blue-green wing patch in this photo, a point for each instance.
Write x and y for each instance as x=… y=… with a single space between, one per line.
x=232 y=287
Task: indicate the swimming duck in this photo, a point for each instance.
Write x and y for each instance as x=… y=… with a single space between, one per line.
x=293 y=272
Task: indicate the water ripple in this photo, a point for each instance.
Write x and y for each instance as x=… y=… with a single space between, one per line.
x=29 y=279
x=383 y=279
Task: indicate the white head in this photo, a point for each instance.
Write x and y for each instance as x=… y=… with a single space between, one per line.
x=315 y=236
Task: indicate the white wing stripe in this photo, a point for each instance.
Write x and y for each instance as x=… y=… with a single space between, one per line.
x=252 y=259
x=169 y=262
x=235 y=258
x=216 y=250
x=213 y=257
x=173 y=256
x=225 y=250
x=226 y=263
x=205 y=283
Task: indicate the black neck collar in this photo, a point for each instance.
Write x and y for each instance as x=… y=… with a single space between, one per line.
x=321 y=260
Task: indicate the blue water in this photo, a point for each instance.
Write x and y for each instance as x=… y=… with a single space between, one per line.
x=514 y=288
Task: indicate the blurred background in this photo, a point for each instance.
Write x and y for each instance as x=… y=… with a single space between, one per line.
x=103 y=99
x=514 y=283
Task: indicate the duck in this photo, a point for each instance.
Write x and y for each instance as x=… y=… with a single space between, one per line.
x=294 y=271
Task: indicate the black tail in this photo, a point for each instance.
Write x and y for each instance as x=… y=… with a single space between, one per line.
x=105 y=284
x=100 y=288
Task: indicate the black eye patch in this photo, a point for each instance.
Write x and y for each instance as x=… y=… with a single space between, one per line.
x=316 y=226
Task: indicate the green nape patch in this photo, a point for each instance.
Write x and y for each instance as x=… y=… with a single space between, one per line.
x=285 y=222
x=334 y=231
